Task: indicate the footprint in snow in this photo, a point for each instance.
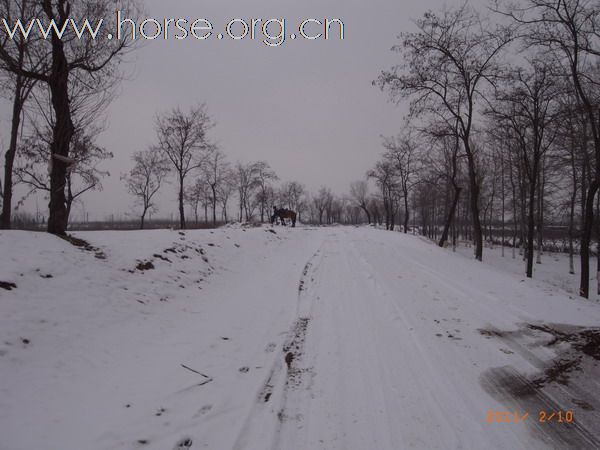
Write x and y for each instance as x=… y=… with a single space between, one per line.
x=183 y=444
x=271 y=347
x=205 y=409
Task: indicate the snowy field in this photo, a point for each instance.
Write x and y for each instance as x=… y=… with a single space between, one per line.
x=306 y=338
x=553 y=269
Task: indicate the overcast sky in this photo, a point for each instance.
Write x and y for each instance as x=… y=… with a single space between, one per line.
x=306 y=107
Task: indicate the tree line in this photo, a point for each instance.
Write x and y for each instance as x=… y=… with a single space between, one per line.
x=209 y=186
x=502 y=137
x=60 y=89
x=501 y=143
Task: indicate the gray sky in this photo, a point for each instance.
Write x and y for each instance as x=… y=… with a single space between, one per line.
x=306 y=107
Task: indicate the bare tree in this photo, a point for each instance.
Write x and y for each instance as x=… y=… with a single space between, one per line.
x=359 y=193
x=247 y=180
x=145 y=179
x=183 y=139
x=529 y=107
x=445 y=65
x=65 y=58
x=18 y=87
x=198 y=195
x=216 y=171
x=266 y=199
x=567 y=32
x=573 y=137
x=335 y=209
x=402 y=151
x=226 y=189
x=292 y=195
x=323 y=202
x=83 y=172
x=445 y=162
x=385 y=176
x=265 y=177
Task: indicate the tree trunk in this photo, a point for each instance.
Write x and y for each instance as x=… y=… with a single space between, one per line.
x=523 y=215
x=514 y=208
x=214 y=204
x=571 y=229
x=477 y=235
x=573 y=200
x=9 y=157
x=491 y=216
x=406 y=212
x=262 y=207
x=584 y=286
x=597 y=247
x=181 y=208
x=531 y=226
x=247 y=210
x=366 y=210
x=62 y=134
x=70 y=198
x=450 y=218
x=540 y=224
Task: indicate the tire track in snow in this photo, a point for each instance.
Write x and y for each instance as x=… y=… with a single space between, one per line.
x=511 y=388
x=359 y=404
x=263 y=423
x=421 y=364
x=439 y=398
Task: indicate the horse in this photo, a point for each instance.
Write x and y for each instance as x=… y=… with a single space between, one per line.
x=284 y=214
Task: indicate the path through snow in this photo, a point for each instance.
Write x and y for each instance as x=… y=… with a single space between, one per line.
x=313 y=338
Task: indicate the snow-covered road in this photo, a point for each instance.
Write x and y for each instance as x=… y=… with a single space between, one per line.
x=306 y=338
x=390 y=352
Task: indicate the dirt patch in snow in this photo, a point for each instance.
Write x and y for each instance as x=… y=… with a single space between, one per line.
x=293 y=350
x=144 y=265
x=292 y=357
x=491 y=333
x=7 y=285
x=161 y=257
x=584 y=340
x=84 y=245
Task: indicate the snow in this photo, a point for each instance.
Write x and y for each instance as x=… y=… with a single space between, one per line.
x=552 y=272
x=276 y=338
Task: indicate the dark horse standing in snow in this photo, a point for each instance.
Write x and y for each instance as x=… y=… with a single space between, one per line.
x=283 y=214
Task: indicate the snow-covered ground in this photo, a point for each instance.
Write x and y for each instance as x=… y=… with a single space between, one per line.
x=306 y=338
x=553 y=269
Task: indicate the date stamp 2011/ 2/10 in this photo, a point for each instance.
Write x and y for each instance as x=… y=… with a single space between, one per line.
x=518 y=417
